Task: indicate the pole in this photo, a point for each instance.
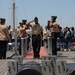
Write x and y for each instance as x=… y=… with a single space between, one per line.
x=13 y=2
x=15 y=30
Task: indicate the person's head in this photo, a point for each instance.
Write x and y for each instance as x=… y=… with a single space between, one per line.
x=67 y=28
x=60 y=28
x=48 y=25
x=53 y=18
x=45 y=33
x=36 y=20
x=2 y=21
x=21 y=23
x=24 y=21
x=9 y=27
x=72 y=28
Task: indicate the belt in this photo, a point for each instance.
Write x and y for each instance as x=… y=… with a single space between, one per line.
x=35 y=34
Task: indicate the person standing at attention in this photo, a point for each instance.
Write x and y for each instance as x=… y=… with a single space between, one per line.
x=4 y=37
x=54 y=34
x=37 y=33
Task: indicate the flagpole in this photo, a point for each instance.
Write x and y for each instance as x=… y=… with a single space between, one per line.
x=14 y=28
x=13 y=3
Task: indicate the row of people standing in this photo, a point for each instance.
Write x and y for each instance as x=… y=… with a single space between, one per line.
x=23 y=26
x=37 y=33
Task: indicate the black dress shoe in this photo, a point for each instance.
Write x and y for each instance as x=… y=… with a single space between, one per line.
x=38 y=56
x=35 y=57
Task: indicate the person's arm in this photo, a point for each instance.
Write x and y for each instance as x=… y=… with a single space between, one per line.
x=51 y=24
x=7 y=33
x=28 y=24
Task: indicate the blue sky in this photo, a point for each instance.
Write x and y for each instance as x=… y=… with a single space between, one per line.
x=43 y=9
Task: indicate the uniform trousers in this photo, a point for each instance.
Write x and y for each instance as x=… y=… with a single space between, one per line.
x=36 y=43
x=54 y=42
x=3 y=49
